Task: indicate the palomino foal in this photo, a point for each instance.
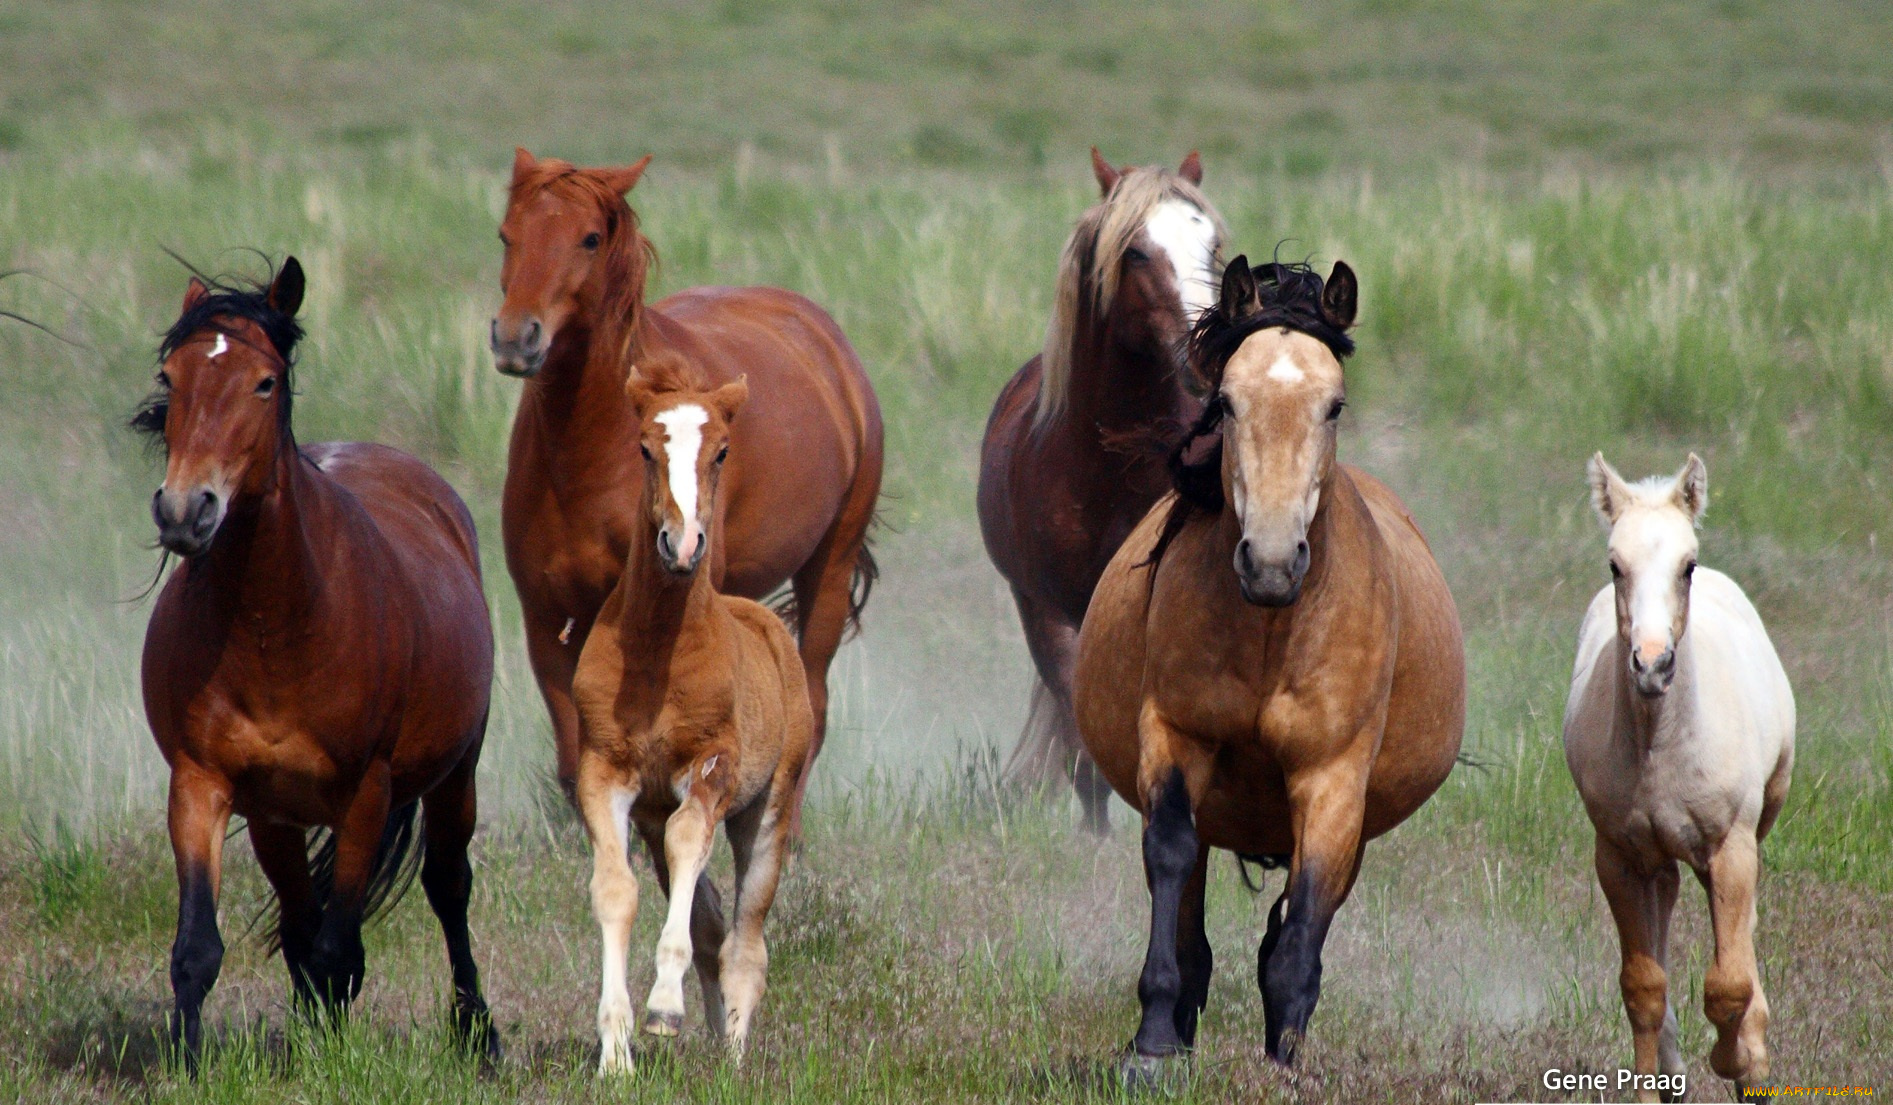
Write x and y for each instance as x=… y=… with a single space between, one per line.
x=693 y=710
x=1680 y=734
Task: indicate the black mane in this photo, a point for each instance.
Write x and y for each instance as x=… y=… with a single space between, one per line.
x=1288 y=297
x=228 y=298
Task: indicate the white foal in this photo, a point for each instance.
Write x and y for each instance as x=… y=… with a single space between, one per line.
x=1680 y=734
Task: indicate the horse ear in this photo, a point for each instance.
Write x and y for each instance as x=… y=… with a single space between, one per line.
x=523 y=163
x=639 y=390
x=1239 y=294
x=285 y=292
x=1341 y=296
x=194 y=293
x=1692 y=488
x=730 y=398
x=1608 y=490
x=1192 y=168
x=623 y=180
x=1107 y=176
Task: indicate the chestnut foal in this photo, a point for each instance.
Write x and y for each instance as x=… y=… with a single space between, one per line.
x=693 y=711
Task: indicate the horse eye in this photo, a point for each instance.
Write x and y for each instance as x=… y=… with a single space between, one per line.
x=646 y=450
x=722 y=454
x=1136 y=256
x=1615 y=571
x=591 y=240
x=266 y=387
x=1334 y=412
x=505 y=241
x=1689 y=569
x=164 y=380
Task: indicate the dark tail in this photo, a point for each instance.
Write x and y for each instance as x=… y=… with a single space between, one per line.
x=867 y=572
x=1043 y=755
x=397 y=862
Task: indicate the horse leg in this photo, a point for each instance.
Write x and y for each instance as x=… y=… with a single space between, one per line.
x=283 y=853
x=198 y=811
x=1053 y=643
x=1171 y=852
x=759 y=840
x=822 y=597
x=1732 y=993
x=1327 y=807
x=1636 y=904
x=604 y=802
x=1195 y=961
x=554 y=663
x=337 y=962
x=707 y=929
x=688 y=835
x=452 y=809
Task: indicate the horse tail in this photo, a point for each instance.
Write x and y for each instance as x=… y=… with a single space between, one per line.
x=397 y=862
x=1041 y=756
x=867 y=572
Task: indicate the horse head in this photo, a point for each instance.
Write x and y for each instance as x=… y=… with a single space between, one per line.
x=1653 y=547
x=222 y=404
x=684 y=441
x=574 y=258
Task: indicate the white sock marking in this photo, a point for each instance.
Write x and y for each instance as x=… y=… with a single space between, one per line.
x=1188 y=238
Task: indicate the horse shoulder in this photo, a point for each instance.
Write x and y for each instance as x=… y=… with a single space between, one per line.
x=1744 y=681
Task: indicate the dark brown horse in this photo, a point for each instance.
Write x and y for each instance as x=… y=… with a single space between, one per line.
x=1272 y=662
x=1061 y=479
x=321 y=658
x=804 y=471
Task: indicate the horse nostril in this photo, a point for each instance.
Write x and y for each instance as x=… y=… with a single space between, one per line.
x=1245 y=557
x=533 y=332
x=664 y=547
x=1301 y=558
x=493 y=334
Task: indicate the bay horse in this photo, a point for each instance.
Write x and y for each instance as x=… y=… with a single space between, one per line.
x=694 y=711
x=322 y=657
x=1062 y=480
x=1272 y=662
x=1680 y=734
x=804 y=473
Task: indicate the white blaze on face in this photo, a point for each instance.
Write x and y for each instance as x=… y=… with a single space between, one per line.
x=220 y=348
x=683 y=440
x=1188 y=238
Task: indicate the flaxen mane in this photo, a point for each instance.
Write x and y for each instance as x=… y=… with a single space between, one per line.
x=1088 y=269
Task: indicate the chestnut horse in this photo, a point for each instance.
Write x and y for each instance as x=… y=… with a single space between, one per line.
x=1061 y=481
x=321 y=658
x=804 y=472
x=1272 y=663
x=693 y=712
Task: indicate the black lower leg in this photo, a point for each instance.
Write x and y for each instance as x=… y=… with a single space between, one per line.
x=1195 y=961
x=196 y=960
x=448 y=881
x=1170 y=851
x=1290 y=963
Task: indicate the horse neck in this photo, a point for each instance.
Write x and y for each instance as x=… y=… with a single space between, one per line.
x=659 y=609
x=582 y=383
x=266 y=558
x=1656 y=722
x=1119 y=382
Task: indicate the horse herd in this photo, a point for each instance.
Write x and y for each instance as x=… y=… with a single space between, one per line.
x=1245 y=639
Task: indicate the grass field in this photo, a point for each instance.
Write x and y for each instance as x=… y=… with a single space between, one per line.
x=1585 y=230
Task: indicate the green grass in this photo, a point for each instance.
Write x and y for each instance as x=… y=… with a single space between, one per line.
x=1595 y=228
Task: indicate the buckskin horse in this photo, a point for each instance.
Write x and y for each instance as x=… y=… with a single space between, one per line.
x=322 y=657
x=1063 y=475
x=693 y=712
x=804 y=471
x=1272 y=663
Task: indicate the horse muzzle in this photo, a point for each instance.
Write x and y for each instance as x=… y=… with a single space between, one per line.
x=1272 y=581
x=187 y=521
x=522 y=354
x=1653 y=677
x=680 y=556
